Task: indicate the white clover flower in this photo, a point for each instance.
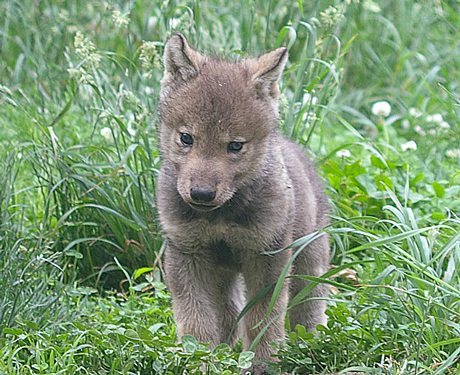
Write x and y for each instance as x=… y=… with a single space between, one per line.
x=309 y=99
x=444 y=125
x=453 y=153
x=437 y=118
x=343 y=153
x=418 y=129
x=131 y=131
x=410 y=145
x=372 y=6
x=309 y=117
x=414 y=112
x=405 y=124
x=175 y=22
x=382 y=108
x=106 y=133
x=151 y=22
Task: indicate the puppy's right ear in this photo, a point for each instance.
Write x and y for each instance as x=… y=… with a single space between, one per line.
x=181 y=61
x=267 y=72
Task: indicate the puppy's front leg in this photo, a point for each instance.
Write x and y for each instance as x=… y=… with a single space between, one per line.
x=201 y=295
x=258 y=274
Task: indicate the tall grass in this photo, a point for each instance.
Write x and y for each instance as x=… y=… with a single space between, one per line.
x=30 y=273
x=97 y=192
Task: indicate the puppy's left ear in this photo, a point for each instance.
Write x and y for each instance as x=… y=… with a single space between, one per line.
x=267 y=70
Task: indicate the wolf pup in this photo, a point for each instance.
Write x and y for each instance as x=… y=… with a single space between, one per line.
x=231 y=189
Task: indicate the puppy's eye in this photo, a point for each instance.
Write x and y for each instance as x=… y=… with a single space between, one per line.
x=186 y=139
x=235 y=146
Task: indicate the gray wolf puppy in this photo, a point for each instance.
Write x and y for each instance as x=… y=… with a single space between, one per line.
x=230 y=189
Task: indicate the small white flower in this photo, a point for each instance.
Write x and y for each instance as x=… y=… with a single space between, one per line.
x=19 y=156
x=106 y=133
x=414 y=112
x=131 y=131
x=453 y=153
x=151 y=22
x=437 y=117
x=444 y=125
x=418 y=129
x=429 y=118
x=174 y=22
x=410 y=145
x=372 y=6
x=343 y=153
x=309 y=117
x=405 y=124
x=432 y=132
x=382 y=108
x=308 y=99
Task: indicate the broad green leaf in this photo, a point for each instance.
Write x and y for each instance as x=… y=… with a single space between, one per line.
x=189 y=343
x=438 y=189
x=244 y=360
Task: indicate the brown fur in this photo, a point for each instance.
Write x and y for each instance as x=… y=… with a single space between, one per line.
x=220 y=209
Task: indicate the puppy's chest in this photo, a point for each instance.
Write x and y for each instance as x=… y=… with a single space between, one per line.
x=223 y=244
x=223 y=254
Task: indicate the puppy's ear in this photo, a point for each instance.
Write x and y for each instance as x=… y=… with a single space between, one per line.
x=181 y=61
x=266 y=72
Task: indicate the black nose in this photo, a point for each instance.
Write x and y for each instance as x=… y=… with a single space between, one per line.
x=201 y=195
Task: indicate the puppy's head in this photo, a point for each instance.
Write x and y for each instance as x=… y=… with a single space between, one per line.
x=216 y=118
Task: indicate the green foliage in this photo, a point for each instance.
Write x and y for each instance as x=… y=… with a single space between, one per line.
x=24 y=258
x=115 y=335
x=404 y=312
x=371 y=88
